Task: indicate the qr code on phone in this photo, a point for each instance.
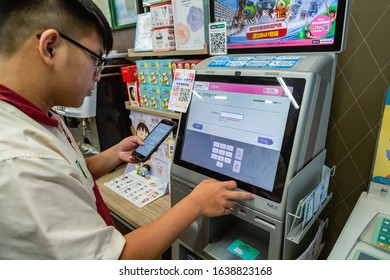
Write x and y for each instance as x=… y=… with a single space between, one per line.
x=185 y=94
x=218 y=43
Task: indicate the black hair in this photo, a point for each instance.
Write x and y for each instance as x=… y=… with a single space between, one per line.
x=20 y=19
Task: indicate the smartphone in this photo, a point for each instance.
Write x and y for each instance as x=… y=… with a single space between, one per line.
x=154 y=140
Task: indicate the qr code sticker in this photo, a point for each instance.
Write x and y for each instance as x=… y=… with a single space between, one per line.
x=218 y=43
x=184 y=94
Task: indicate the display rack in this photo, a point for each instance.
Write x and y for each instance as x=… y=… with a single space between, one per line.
x=298 y=237
x=204 y=51
x=297 y=233
x=150 y=54
x=316 y=246
x=171 y=115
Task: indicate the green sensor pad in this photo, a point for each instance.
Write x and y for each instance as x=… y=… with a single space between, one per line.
x=243 y=250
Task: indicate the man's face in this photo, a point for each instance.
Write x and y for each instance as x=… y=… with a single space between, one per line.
x=78 y=71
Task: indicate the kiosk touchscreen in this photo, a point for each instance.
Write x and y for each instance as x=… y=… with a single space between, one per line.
x=241 y=128
x=255 y=127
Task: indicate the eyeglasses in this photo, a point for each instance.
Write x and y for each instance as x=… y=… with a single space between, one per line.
x=99 y=60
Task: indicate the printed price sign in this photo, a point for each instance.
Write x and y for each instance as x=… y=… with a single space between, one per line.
x=183 y=82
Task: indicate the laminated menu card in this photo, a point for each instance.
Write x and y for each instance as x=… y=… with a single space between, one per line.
x=137 y=189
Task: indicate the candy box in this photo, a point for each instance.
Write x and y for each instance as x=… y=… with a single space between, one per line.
x=153 y=72
x=144 y=95
x=165 y=94
x=154 y=97
x=142 y=70
x=129 y=73
x=165 y=69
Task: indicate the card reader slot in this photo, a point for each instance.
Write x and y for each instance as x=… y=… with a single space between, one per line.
x=241 y=211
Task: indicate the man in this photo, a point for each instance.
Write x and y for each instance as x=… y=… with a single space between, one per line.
x=50 y=208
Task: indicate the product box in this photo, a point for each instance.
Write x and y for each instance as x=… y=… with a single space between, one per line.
x=163 y=39
x=144 y=95
x=165 y=94
x=153 y=72
x=154 y=97
x=191 y=21
x=184 y=64
x=142 y=70
x=165 y=72
x=133 y=91
x=161 y=15
x=129 y=73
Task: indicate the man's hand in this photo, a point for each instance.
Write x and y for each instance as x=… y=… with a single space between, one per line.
x=127 y=146
x=215 y=198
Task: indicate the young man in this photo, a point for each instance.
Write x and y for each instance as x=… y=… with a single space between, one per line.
x=51 y=53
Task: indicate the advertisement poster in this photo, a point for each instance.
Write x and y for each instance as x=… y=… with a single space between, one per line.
x=277 y=23
x=143 y=35
x=381 y=172
x=160 y=161
x=183 y=82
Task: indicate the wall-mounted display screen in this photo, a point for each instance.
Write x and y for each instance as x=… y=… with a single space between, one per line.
x=271 y=26
x=241 y=128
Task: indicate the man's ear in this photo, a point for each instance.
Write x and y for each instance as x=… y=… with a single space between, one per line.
x=48 y=45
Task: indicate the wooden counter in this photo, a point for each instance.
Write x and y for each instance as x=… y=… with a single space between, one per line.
x=128 y=211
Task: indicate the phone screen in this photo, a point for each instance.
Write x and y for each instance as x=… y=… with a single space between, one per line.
x=154 y=139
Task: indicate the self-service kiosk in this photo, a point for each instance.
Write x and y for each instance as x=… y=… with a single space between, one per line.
x=259 y=127
x=261 y=120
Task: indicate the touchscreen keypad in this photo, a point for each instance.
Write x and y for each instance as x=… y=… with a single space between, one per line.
x=227 y=155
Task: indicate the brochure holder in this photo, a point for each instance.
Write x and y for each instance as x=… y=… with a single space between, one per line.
x=299 y=226
x=315 y=248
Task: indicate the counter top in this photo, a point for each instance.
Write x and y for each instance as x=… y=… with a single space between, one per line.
x=364 y=211
x=128 y=211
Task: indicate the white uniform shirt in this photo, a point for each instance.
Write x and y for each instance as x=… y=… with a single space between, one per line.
x=47 y=205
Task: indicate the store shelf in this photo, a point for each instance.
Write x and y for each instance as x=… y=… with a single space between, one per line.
x=147 y=3
x=171 y=115
x=204 y=51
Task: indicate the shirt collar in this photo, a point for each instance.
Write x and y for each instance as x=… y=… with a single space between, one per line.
x=26 y=106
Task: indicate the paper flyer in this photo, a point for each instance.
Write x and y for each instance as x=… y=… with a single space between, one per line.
x=143 y=35
x=160 y=161
x=137 y=189
x=183 y=82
